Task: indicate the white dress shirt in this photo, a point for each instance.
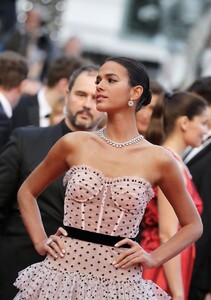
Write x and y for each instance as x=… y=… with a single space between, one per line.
x=193 y=151
x=6 y=105
x=44 y=108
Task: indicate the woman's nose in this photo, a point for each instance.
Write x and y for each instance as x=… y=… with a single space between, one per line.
x=99 y=86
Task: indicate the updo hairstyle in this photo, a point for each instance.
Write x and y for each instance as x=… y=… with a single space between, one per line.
x=137 y=75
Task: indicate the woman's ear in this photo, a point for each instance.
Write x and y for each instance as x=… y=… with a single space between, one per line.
x=183 y=122
x=136 y=92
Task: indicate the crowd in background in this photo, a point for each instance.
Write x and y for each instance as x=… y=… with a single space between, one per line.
x=34 y=78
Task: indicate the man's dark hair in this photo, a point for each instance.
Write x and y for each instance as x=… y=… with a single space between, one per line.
x=63 y=67
x=13 y=69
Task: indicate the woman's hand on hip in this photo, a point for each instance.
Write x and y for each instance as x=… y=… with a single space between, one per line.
x=132 y=256
x=53 y=245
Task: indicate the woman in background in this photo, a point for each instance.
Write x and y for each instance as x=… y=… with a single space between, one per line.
x=143 y=116
x=178 y=120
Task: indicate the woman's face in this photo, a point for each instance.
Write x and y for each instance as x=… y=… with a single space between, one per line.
x=196 y=129
x=209 y=122
x=143 y=116
x=112 y=87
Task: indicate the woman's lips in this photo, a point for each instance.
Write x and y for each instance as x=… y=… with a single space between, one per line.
x=100 y=98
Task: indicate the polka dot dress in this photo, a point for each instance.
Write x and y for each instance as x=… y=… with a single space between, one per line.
x=113 y=206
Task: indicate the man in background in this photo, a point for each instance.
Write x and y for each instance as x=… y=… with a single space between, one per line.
x=13 y=71
x=36 y=109
x=198 y=161
x=26 y=149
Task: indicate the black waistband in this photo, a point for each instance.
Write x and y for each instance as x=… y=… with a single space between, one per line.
x=93 y=237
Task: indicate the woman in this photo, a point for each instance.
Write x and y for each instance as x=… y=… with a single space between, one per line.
x=144 y=115
x=110 y=179
x=178 y=121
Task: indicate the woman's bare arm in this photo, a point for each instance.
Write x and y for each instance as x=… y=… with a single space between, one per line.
x=172 y=185
x=49 y=169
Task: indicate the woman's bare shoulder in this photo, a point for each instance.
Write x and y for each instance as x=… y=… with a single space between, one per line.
x=160 y=153
x=161 y=161
x=78 y=136
x=157 y=149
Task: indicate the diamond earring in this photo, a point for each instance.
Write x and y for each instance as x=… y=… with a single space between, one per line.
x=130 y=103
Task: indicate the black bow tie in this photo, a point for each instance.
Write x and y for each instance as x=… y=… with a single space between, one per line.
x=47 y=116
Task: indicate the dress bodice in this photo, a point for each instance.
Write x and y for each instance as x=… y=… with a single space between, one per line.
x=113 y=206
x=95 y=203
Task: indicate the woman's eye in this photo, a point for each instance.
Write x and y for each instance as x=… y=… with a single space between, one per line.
x=111 y=80
x=97 y=81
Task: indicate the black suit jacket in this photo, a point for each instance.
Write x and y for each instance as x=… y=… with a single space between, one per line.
x=5 y=127
x=8 y=17
x=25 y=150
x=200 y=168
x=26 y=113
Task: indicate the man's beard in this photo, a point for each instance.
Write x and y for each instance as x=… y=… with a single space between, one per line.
x=80 y=125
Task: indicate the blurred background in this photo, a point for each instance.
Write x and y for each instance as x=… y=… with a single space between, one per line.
x=172 y=38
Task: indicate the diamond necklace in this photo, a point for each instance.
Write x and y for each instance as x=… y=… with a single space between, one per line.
x=119 y=145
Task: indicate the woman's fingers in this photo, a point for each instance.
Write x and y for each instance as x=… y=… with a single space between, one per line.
x=123 y=242
x=130 y=256
x=51 y=250
x=127 y=261
x=61 y=231
x=55 y=245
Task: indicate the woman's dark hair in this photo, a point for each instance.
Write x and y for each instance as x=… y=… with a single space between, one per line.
x=202 y=87
x=156 y=87
x=138 y=75
x=168 y=109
